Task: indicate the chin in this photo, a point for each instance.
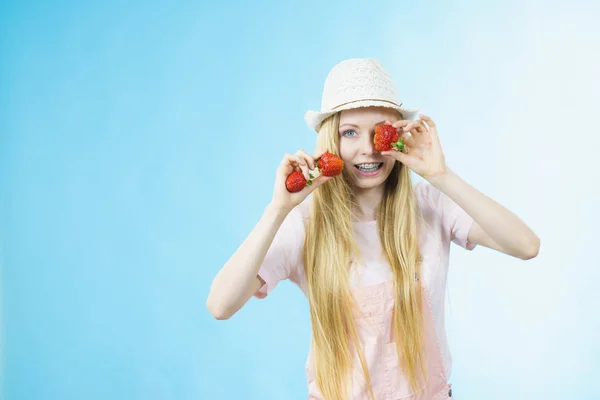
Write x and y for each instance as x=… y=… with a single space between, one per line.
x=358 y=184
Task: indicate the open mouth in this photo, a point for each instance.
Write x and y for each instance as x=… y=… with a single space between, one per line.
x=368 y=168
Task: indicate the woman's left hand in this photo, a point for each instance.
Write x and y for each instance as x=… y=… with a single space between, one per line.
x=422 y=152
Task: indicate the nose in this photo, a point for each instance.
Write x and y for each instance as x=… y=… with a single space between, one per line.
x=367 y=146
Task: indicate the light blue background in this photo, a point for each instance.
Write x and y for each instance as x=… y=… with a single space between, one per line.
x=138 y=146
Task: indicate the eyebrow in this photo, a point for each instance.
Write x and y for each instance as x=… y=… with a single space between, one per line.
x=356 y=126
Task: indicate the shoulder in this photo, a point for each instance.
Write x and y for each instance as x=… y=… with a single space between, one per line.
x=430 y=203
x=431 y=199
x=426 y=194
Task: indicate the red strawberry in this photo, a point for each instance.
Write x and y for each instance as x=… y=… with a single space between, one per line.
x=330 y=164
x=386 y=137
x=295 y=182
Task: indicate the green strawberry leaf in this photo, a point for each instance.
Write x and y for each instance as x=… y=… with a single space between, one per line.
x=398 y=145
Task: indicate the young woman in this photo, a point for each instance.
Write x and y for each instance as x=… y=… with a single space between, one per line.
x=369 y=248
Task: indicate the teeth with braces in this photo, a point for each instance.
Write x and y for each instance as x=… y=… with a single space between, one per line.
x=368 y=167
x=373 y=165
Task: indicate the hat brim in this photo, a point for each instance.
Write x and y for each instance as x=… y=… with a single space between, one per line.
x=314 y=119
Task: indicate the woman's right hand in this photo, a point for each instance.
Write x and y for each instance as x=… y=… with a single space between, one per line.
x=300 y=161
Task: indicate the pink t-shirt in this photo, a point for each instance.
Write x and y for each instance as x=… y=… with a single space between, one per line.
x=445 y=222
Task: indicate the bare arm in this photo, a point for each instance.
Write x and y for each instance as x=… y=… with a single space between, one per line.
x=238 y=280
x=494 y=226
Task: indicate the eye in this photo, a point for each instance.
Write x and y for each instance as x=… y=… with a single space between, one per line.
x=346 y=133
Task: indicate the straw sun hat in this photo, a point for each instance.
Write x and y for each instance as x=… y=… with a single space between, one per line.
x=353 y=83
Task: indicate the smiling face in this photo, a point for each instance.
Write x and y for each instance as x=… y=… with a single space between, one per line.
x=363 y=164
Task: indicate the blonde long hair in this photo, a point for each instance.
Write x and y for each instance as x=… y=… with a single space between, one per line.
x=328 y=248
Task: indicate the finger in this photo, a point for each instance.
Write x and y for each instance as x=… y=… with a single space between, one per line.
x=416 y=126
x=286 y=166
x=297 y=161
x=428 y=120
x=300 y=163
x=401 y=123
x=318 y=181
x=397 y=155
x=304 y=169
x=390 y=153
x=408 y=139
x=291 y=162
x=309 y=160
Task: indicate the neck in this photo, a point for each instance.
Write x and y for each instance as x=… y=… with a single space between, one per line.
x=367 y=203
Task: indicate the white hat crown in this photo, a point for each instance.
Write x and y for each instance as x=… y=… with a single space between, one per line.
x=355 y=80
x=353 y=83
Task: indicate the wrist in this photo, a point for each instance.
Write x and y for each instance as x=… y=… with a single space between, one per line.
x=439 y=179
x=277 y=210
